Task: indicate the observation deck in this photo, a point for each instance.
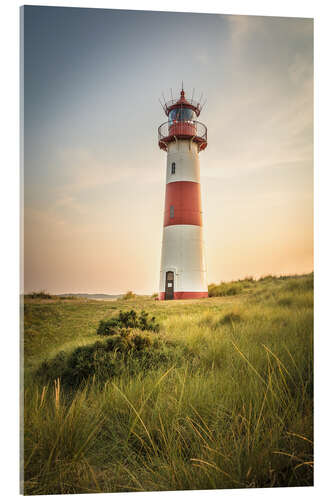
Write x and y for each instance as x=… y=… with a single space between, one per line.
x=171 y=131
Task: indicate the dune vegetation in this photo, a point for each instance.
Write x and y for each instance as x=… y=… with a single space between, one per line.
x=140 y=395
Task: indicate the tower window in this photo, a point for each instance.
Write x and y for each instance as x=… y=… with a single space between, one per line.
x=173 y=168
x=172 y=212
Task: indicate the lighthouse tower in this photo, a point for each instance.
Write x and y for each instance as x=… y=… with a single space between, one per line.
x=183 y=268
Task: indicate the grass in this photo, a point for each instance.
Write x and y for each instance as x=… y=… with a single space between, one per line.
x=235 y=412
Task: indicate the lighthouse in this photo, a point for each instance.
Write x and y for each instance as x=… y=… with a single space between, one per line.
x=182 y=137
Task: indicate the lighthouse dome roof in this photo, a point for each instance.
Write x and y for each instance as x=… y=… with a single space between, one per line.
x=182 y=102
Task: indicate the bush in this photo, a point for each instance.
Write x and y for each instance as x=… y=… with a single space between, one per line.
x=103 y=360
x=127 y=320
x=42 y=294
x=129 y=295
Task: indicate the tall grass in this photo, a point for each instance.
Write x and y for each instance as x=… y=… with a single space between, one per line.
x=237 y=413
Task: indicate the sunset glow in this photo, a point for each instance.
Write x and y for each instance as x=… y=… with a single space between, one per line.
x=94 y=175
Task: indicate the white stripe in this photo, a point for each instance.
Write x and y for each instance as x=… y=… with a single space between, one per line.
x=183 y=253
x=184 y=154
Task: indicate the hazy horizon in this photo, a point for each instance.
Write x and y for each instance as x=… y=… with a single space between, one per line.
x=94 y=177
x=82 y=292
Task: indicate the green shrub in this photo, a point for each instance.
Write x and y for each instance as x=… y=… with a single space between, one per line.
x=128 y=295
x=146 y=323
x=127 y=320
x=103 y=360
x=42 y=294
x=50 y=370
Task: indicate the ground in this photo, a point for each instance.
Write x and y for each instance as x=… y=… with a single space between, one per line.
x=228 y=404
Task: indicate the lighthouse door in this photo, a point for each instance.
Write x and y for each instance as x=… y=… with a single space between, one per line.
x=169 y=285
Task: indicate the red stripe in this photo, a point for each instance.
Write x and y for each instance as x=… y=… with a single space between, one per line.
x=185 y=295
x=185 y=198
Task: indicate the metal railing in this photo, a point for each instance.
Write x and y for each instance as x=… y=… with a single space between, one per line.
x=186 y=129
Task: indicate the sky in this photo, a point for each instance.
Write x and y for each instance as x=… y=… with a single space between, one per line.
x=94 y=176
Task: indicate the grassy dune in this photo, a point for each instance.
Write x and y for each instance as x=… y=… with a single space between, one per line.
x=230 y=407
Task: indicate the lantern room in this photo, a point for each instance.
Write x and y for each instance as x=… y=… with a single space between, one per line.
x=181 y=114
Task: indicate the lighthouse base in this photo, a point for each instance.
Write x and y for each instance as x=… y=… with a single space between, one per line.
x=184 y=295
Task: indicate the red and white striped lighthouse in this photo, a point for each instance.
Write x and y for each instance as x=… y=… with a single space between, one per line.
x=183 y=268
